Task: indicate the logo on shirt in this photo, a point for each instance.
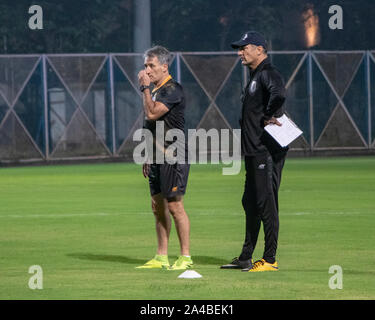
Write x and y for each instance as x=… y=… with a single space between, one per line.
x=261 y=166
x=253 y=86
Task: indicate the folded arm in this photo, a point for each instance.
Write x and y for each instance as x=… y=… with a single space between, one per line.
x=153 y=109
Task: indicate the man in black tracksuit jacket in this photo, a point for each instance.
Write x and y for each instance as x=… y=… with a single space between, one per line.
x=262 y=102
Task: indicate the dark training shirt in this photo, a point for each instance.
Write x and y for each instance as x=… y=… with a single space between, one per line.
x=262 y=99
x=172 y=96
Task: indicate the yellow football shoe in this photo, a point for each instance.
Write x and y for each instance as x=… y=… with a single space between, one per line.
x=263 y=265
x=158 y=262
x=182 y=263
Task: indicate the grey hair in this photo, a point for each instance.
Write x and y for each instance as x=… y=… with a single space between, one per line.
x=163 y=55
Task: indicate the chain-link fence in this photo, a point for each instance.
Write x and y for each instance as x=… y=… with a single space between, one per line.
x=85 y=106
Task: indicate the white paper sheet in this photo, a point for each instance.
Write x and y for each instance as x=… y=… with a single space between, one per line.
x=284 y=134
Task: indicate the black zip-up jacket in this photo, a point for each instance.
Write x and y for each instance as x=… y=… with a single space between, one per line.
x=262 y=99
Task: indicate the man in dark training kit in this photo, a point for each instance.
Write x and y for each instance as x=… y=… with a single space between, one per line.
x=262 y=104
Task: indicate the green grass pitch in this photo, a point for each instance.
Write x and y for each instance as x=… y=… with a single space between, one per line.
x=89 y=226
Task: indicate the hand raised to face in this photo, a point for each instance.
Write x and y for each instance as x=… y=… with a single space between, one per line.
x=143 y=78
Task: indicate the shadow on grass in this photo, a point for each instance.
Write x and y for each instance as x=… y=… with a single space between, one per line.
x=204 y=260
x=198 y=260
x=106 y=257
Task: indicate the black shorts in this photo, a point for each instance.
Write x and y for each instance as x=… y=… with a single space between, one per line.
x=170 y=180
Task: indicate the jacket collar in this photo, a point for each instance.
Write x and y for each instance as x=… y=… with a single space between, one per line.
x=260 y=66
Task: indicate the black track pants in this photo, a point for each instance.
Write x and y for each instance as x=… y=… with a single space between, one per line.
x=260 y=202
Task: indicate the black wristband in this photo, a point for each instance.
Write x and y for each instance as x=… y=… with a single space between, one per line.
x=143 y=88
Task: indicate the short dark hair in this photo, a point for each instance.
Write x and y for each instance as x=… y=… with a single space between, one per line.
x=163 y=55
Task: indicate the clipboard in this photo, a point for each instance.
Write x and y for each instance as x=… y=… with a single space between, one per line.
x=286 y=133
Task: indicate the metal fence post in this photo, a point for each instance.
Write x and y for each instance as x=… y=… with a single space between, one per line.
x=368 y=89
x=178 y=67
x=311 y=101
x=111 y=84
x=45 y=98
